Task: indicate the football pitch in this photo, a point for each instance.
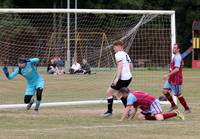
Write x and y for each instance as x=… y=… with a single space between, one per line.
x=85 y=121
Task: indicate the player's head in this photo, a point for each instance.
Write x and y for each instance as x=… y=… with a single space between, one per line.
x=124 y=92
x=84 y=61
x=21 y=62
x=176 y=48
x=118 y=46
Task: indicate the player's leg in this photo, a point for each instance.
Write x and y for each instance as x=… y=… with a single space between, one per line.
x=155 y=112
x=181 y=99
x=164 y=116
x=39 y=90
x=123 y=83
x=38 y=98
x=166 y=92
x=28 y=98
x=109 y=94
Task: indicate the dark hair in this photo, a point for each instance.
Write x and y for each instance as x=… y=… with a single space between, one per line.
x=21 y=59
x=178 y=45
x=118 y=42
x=124 y=90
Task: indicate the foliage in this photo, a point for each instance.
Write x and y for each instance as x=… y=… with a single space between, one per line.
x=186 y=10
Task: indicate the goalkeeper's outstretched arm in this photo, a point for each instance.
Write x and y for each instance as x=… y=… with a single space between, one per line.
x=34 y=60
x=12 y=75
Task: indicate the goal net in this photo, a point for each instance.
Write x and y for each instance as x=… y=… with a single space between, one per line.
x=85 y=34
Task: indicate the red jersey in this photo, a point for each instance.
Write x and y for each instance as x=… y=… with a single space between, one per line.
x=177 y=78
x=140 y=99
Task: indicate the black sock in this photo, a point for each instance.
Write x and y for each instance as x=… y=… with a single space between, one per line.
x=110 y=104
x=124 y=101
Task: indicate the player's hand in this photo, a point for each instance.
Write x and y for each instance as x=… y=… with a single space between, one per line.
x=5 y=70
x=115 y=82
x=166 y=77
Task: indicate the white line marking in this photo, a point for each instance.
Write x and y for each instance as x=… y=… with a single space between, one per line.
x=149 y=124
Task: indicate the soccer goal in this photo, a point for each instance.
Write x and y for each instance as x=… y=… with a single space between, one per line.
x=86 y=34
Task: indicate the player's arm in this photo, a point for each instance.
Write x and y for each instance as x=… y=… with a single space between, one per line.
x=33 y=60
x=118 y=73
x=131 y=66
x=126 y=111
x=131 y=99
x=177 y=65
x=130 y=62
x=174 y=71
x=12 y=75
x=187 y=52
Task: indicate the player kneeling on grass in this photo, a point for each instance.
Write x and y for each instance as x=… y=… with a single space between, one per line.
x=35 y=83
x=149 y=105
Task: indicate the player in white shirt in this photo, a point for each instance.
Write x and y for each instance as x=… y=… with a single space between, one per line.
x=123 y=75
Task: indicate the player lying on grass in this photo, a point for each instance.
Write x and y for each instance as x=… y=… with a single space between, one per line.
x=34 y=82
x=149 y=105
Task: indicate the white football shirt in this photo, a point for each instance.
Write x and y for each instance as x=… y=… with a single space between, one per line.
x=125 y=59
x=76 y=66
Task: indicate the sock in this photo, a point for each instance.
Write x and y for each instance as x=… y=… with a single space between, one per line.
x=169 y=115
x=170 y=99
x=124 y=101
x=148 y=117
x=110 y=104
x=37 y=104
x=183 y=102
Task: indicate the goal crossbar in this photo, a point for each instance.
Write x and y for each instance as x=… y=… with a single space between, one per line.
x=95 y=11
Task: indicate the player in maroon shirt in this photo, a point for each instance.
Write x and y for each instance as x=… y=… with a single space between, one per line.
x=174 y=80
x=149 y=105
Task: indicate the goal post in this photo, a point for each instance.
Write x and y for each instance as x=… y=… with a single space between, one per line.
x=148 y=36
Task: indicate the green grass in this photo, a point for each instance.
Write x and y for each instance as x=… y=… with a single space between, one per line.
x=78 y=122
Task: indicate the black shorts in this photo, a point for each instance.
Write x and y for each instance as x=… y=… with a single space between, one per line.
x=121 y=83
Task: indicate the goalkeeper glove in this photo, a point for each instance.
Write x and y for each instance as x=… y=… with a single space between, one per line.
x=5 y=70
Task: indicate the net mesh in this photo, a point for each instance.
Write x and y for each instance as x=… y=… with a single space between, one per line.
x=147 y=40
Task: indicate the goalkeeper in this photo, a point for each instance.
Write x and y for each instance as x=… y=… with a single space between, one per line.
x=34 y=82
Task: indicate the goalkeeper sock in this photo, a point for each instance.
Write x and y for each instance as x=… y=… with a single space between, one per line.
x=169 y=115
x=110 y=104
x=170 y=99
x=37 y=104
x=183 y=102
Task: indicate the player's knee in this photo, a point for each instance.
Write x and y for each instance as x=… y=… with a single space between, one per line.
x=141 y=116
x=27 y=98
x=109 y=92
x=39 y=94
x=159 y=117
x=179 y=95
x=165 y=91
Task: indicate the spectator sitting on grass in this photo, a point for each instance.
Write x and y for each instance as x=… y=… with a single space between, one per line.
x=75 y=68
x=85 y=67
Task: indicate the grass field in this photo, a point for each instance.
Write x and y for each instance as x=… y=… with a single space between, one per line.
x=80 y=122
